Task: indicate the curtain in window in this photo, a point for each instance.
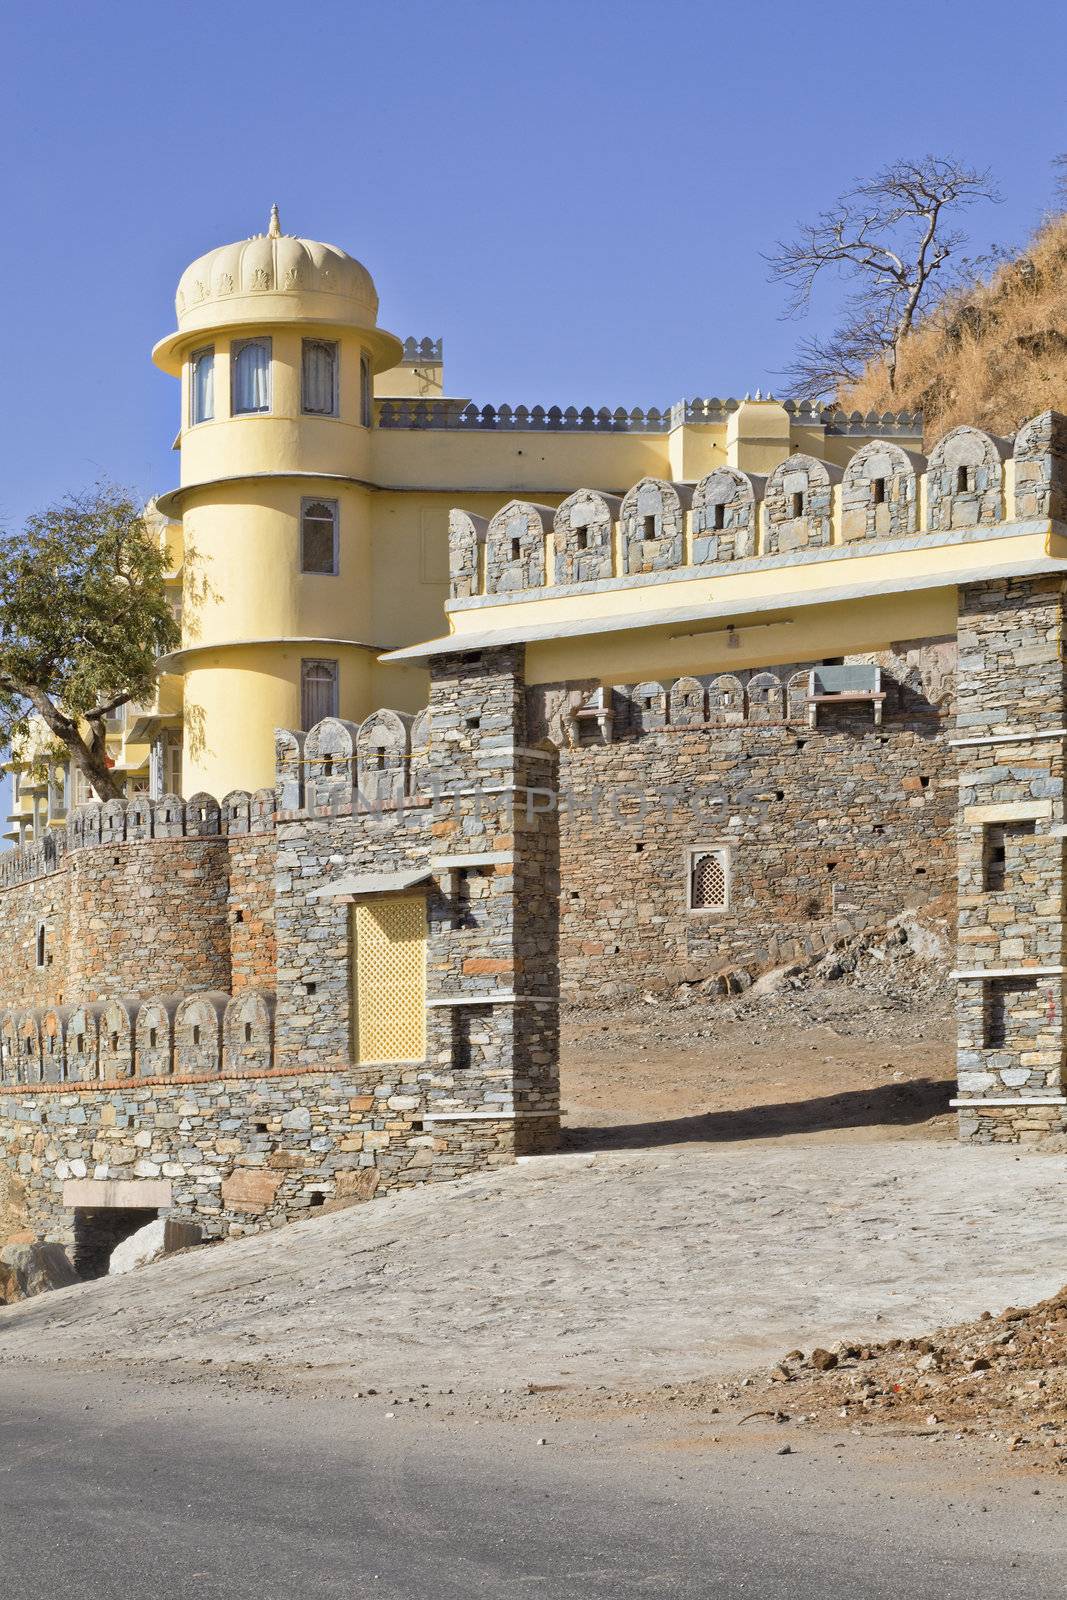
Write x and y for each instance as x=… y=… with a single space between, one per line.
x=318 y=692
x=204 y=386
x=320 y=362
x=251 y=376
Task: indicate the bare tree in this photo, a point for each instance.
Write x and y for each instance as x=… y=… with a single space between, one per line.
x=893 y=235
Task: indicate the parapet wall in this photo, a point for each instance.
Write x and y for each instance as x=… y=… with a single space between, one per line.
x=971 y=481
x=188 y=1036
x=468 y=418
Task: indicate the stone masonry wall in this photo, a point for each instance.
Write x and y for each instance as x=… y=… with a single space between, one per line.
x=148 y=918
x=238 y=1154
x=1011 y=717
x=132 y=919
x=827 y=829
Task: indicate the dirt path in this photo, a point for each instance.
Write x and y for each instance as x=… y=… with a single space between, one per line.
x=612 y=1268
x=835 y=1065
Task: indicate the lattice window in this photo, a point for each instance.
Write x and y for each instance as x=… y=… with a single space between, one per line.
x=709 y=879
x=389 y=978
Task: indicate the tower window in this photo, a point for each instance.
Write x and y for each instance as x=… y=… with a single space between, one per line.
x=650 y=527
x=878 y=491
x=318 y=691
x=581 y=538
x=318 y=377
x=718 y=516
x=962 y=483
x=43 y=958
x=516 y=549
x=202 y=386
x=251 y=376
x=798 y=504
x=318 y=537
x=366 y=392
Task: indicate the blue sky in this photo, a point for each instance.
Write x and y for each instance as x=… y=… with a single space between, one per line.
x=574 y=194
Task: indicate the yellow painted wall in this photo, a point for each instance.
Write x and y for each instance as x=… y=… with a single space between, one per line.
x=234 y=700
x=807 y=634
x=249 y=615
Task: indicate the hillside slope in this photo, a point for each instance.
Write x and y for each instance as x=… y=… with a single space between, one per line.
x=993 y=356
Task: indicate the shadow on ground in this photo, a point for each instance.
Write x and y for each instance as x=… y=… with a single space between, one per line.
x=893 y=1105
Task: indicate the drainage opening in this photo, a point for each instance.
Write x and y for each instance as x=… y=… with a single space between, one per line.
x=96 y=1233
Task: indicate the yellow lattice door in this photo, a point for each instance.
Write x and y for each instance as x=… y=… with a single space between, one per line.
x=389 y=977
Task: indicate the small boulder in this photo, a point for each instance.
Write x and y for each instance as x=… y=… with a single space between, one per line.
x=823 y=1360
x=151 y=1243
x=30 y=1269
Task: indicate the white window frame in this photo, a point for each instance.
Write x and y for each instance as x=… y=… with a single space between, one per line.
x=195 y=356
x=306 y=664
x=321 y=500
x=366 y=389
x=335 y=407
x=692 y=855
x=236 y=347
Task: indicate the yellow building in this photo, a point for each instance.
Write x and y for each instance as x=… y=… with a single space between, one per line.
x=320 y=458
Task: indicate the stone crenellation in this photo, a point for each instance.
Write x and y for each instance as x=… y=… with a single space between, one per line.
x=972 y=482
x=457 y=414
x=196 y=1035
x=110 y=822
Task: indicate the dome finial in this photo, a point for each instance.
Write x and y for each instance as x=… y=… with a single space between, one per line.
x=275 y=229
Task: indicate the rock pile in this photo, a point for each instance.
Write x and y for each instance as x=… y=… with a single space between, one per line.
x=1001 y=1376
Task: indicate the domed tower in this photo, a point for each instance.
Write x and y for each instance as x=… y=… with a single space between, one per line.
x=277 y=347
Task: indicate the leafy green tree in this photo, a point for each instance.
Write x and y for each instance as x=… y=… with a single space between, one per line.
x=83 y=616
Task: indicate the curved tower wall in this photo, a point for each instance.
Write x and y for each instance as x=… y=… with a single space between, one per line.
x=251 y=617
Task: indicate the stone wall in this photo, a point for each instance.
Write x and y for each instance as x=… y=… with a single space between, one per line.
x=148 y=917
x=805 y=504
x=1011 y=956
x=237 y=1153
x=129 y=913
x=826 y=829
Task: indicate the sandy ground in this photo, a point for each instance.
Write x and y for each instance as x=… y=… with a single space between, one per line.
x=824 y=1066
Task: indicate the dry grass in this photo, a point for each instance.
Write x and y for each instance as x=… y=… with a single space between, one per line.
x=992 y=357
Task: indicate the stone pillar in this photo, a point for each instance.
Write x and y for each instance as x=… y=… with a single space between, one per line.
x=494 y=944
x=1011 y=716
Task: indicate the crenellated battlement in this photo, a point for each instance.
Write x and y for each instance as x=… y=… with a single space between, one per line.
x=198 y=1035
x=32 y=861
x=972 y=483
x=369 y=765
x=111 y=822
x=462 y=416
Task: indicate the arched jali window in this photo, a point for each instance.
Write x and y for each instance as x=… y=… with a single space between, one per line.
x=318 y=538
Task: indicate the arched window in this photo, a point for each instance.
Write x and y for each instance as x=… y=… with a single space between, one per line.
x=318 y=537
x=318 y=692
x=366 y=395
x=319 y=378
x=201 y=386
x=709 y=879
x=251 y=376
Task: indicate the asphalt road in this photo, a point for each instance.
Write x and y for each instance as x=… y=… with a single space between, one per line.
x=112 y=1490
